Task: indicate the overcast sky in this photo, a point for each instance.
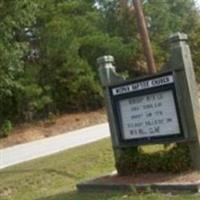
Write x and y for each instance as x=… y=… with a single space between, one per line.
x=198 y=3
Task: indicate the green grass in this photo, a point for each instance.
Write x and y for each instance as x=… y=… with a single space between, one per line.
x=55 y=177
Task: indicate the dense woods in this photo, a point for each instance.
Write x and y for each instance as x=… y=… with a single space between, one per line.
x=48 y=50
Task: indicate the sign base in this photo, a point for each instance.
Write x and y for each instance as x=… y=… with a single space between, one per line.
x=163 y=182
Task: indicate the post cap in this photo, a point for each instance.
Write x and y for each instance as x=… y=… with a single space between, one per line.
x=178 y=37
x=105 y=59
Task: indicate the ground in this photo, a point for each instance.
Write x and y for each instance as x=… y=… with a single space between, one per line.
x=152 y=178
x=56 y=125
x=55 y=177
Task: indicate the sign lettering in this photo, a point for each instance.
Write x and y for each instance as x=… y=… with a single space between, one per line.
x=149 y=115
x=143 y=85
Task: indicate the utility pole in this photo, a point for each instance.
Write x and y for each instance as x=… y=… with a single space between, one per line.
x=144 y=36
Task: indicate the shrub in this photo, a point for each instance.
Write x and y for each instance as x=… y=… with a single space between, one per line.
x=6 y=128
x=132 y=160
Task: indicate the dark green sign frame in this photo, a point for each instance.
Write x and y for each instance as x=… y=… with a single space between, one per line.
x=141 y=87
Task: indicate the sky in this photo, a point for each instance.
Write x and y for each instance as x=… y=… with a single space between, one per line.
x=198 y=3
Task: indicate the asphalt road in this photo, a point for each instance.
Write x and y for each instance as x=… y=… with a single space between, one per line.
x=32 y=150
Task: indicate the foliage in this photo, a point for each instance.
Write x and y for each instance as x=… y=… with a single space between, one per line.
x=49 y=49
x=6 y=128
x=15 y=16
x=168 y=17
x=176 y=160
x=71 y=79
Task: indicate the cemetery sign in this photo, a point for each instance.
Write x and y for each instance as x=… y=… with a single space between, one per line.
x=147 y=111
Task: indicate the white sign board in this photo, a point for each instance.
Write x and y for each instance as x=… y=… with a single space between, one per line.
x=149 y=115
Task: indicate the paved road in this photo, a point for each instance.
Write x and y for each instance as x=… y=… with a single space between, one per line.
x=25 y=152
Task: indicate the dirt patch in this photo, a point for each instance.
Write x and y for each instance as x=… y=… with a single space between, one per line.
x=152 y=178
x=54 y=126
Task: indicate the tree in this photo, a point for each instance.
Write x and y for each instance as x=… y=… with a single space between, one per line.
x=163 y=17
x=49 y=49
x=15 y=16
x=62 y=35
x=168 y=17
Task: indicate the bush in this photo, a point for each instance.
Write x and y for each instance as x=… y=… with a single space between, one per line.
x=6 y=128
x=132 y=160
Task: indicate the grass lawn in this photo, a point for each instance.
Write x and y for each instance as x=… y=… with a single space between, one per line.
x=55 y=177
